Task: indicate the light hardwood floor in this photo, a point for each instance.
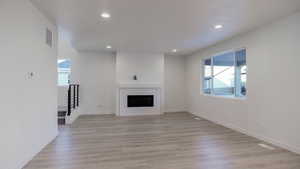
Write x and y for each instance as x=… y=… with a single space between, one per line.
x=170 y=141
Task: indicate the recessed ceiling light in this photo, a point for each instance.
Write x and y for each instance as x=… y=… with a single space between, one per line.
x=174 y=50
x=108 y=47
x=218 y=26
x=105 y=15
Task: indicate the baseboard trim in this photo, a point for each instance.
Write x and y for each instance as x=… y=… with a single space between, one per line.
x=101 y=113
x=255 y=135
x=175 y=111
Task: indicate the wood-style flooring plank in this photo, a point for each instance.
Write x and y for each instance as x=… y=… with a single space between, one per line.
x=169 y=141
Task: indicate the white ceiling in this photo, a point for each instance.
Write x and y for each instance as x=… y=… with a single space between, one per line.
x=160 y=25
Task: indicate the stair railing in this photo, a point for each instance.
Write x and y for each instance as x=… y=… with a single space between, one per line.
x=73 y=97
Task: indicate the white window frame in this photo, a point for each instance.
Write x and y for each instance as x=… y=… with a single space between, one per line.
x=212 y=93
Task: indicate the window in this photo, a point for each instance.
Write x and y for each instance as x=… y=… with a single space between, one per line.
x=64 y=72
x=226 y=74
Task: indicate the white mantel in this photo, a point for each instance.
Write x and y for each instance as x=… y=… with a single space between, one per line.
x=124 y=90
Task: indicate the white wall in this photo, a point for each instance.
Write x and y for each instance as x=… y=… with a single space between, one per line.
x=66 y=51
x=96 y=74
x=271 y=110
x=97 y=82
x=149 y=68
x=175 y=84
x=28 y=105
x=62 y=97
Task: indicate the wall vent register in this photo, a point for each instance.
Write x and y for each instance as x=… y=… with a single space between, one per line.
x=140 y=101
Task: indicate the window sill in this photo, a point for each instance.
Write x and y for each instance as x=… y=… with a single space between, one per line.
x=226 y=97
x=62 y=85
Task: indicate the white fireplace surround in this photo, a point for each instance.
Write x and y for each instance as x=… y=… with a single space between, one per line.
x=124 y=90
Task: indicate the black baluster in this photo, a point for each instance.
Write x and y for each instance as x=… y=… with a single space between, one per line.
x=69 y=101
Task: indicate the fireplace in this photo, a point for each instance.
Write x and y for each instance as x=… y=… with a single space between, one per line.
x=136 y=100
x=140 y=101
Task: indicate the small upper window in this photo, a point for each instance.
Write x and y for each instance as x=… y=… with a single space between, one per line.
x=226 y=74
x=64 y=72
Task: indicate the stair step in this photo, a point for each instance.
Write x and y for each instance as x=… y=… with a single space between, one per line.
x=61 y=113
x=61 y=121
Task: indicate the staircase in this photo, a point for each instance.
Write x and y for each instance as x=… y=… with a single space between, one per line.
x=62 y=115
x=73 y=103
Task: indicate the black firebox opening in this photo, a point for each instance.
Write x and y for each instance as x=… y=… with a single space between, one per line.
x=140 y=101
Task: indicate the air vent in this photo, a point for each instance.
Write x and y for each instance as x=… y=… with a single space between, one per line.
x=49 y=37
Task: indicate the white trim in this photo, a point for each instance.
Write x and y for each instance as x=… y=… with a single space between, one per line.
x=212 y=90
x=62 y=85
x=123 y=93
x=212 y=74
x=226 y=97
x=175 y=111
x=74 y=116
